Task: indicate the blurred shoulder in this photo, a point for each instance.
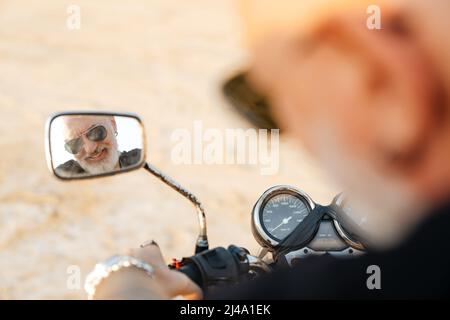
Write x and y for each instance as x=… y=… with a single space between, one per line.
x=69 y=168
x=129 y=158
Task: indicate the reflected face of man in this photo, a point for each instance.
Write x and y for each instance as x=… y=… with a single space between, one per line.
x=94 y=141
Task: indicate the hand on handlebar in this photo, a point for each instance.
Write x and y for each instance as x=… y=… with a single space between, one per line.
x=133 y=284
x=174 y=283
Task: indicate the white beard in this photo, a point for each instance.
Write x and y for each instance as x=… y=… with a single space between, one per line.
x=106 y=165
x=385 y=209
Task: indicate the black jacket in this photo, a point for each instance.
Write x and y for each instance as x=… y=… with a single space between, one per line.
x=72 y=167
x=417 y=268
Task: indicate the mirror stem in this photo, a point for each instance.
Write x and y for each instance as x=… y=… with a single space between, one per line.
x=202 y=240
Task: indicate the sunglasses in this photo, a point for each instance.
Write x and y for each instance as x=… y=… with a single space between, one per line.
x=98 y=133
x=248 y=102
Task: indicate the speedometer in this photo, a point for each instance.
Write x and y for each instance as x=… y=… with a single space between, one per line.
x=278 y=212
x=282 y=214
x=345 y=214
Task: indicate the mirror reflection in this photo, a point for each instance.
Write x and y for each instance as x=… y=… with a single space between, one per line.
x=90 y=145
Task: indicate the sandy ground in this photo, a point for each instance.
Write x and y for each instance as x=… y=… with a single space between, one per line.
x=162 y=59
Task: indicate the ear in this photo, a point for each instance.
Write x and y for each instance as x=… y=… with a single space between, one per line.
x=114 y=124
x=400 y=109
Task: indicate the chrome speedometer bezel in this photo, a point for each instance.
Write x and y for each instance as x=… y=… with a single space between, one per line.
x=339 y=201
x=261 y=236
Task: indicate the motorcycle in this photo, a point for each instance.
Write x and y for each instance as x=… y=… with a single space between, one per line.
x=287 y=224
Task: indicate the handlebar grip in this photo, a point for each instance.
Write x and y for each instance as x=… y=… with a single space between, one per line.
x=215 y=267
x=193 y=272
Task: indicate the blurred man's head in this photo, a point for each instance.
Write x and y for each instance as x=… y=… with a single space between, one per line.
x=372 y=105
x=92 y=141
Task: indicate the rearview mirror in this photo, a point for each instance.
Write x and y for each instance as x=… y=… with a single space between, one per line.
x=92 y=144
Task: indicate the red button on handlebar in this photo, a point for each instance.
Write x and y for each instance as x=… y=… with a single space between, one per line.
x=176 y=264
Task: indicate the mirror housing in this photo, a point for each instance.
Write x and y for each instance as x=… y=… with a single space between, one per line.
x=90 y=144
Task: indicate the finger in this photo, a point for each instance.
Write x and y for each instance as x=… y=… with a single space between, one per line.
x=149 y=243
x=150 y=254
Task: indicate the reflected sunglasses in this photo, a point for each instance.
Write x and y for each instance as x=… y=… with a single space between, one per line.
x=248 y=102
x=98 y=133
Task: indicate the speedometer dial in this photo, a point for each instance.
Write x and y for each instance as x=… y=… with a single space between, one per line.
x=277 y=213
x=282 y=214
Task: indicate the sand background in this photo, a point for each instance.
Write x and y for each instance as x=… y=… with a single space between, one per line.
x=162 y=59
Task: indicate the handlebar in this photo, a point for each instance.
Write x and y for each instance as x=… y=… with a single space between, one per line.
x=220 y=266
x=193 y=273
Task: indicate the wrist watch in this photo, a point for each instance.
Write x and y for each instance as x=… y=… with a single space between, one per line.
x=104 y=269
